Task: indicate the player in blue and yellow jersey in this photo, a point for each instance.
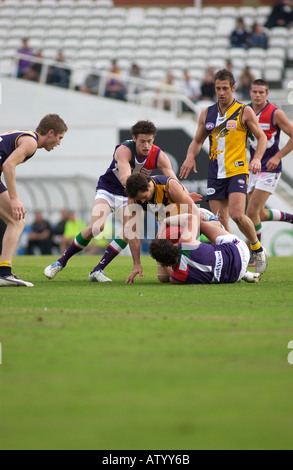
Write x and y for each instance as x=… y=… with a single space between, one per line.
x=137 y=155
x=16 y=147
x=226 y=124
x=262 y=184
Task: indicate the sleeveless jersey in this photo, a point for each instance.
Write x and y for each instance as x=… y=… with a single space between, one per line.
x=8 y=143
x=266 y=118
x=227 y=137
x=161 y=198
x=110 y=181
x=208 y=264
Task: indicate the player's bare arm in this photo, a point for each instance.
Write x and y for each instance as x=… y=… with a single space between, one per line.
x=134 y=241
x=281 y=121
x=165 y=166
x=194 y=148
x=26 y=147
x=250 y=121
x=180 y=196
x=123 y=157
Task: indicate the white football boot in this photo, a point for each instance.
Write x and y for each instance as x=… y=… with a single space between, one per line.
x=52 y=270
x=261 y=261
x=99 y=276
x=251 y=277
x=13 y=281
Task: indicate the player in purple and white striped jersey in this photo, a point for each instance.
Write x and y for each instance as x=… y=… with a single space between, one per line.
x=16 y=147
x=190 y=261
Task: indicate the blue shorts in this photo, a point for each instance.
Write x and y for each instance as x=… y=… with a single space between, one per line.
x=221 y=188
x=2 y=187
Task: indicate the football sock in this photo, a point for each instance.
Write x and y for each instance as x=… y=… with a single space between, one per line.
x=203 y=238
x=258 y=229
x=76 y=246
x=277 y=215
x=256 y=247
x=5 y=268
x=115 y=247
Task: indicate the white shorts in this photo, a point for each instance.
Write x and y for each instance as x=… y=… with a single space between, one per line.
x=265 y=181
x=241 y=247
x=115 y=202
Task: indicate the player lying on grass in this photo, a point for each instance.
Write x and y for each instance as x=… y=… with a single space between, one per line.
x=190 y=261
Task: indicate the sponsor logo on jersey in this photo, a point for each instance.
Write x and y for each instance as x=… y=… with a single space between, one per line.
x=239 y=163
x=231 y=125
x=209 y=126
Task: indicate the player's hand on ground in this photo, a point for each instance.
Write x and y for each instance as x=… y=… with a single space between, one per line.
x=136 y=270
x=186 y=168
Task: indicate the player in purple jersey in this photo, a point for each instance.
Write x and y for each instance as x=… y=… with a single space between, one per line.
x=16 y=147
x=138 y=155
x=192 y=262
x=261 y=185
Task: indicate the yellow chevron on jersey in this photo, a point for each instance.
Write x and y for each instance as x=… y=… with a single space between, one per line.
x=227 y=137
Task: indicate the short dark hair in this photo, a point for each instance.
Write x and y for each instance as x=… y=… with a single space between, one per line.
x=260 y=82
x=51 y=121
x=136 y=183
x=164 y=251
x=144 y=127
x=225 y=74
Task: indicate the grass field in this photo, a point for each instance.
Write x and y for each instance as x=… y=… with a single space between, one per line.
x=145 y=366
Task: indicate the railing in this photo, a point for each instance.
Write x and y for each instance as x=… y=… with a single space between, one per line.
x=154 y=93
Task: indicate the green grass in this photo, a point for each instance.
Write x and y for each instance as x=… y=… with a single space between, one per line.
x=145 y=366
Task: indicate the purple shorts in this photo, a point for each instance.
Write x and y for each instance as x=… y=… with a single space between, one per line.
x=2 y=187
x=221 y=188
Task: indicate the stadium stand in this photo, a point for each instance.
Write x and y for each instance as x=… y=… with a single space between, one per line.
x=92 y=32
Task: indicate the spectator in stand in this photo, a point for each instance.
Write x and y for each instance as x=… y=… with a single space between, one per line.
x=229 y=66
x=240 y=36
x=24 y=64
x=245 y=81
x=59 y=75
x=40 y=236
x=91 y=82
x=72 y=226
x=115 y=88
x=58 y=230
x=33 y=72
x=207 y=87
x=190 y=88
x=171 y=89
x=281 y=15
x=135 y=73
x=258 y=37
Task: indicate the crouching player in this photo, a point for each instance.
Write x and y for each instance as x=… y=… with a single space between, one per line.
x=224 y=260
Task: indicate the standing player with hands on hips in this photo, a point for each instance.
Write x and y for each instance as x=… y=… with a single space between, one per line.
x=16 y=147
x=226 y=123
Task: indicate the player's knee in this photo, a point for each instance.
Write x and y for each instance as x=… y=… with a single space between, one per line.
x=237 y=217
